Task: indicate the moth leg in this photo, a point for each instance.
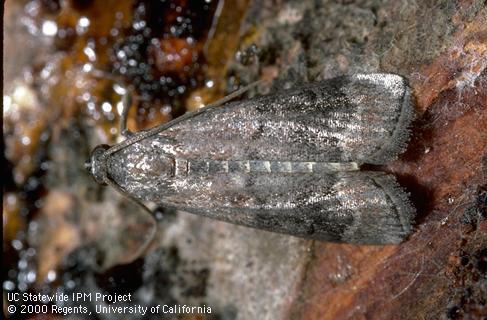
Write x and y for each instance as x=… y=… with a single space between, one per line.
x=141 y=234
x=126 y=103
x=149 y=236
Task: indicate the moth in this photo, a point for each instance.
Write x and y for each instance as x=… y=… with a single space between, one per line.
x=287 y=162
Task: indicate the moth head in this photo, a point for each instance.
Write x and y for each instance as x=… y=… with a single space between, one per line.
x=96 y=164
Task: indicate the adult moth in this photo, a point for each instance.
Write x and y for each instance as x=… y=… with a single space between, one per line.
x=286 y=162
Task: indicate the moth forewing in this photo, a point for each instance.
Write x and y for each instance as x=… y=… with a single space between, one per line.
x=285 y=162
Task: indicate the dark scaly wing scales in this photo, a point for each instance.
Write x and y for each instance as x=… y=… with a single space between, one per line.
x=361 y=118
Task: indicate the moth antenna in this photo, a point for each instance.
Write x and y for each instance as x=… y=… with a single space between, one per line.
x=155 y=130
x=234 y=94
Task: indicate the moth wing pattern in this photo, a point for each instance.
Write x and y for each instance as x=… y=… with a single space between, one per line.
x=282 y=162
x=359 y=118
x=353 y=207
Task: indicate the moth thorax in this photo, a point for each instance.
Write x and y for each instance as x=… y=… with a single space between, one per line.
x=96 y=164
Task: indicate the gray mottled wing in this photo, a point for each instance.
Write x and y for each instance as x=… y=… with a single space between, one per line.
x=359 y=118
x=355 y=207
x=270 y=162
